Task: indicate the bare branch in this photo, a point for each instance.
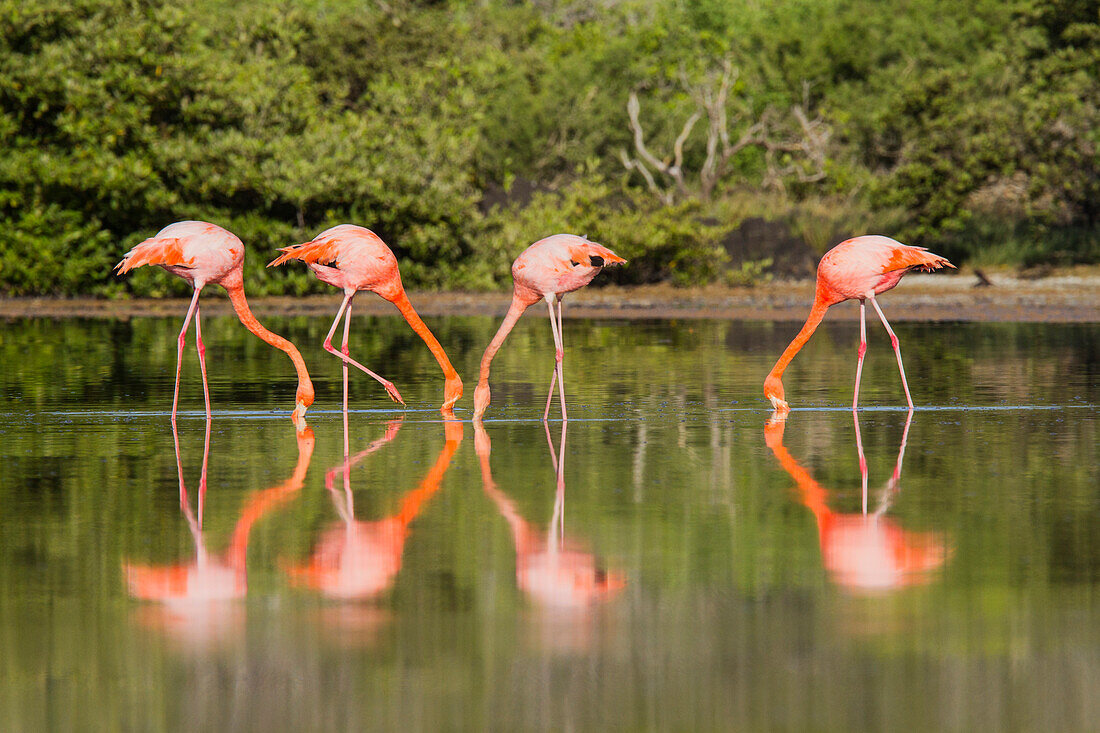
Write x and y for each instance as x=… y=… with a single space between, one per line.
x=633 y=107
x=788 y=152
x=630 y=165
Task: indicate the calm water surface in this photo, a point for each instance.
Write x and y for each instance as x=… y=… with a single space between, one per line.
x=671 y=561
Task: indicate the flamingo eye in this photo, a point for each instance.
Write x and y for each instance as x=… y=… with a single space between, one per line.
x=574 y=264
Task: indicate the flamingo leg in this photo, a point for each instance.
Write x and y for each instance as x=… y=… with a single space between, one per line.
x=194 y=524
x=559 y=356
x=557 y=359
x=202 y=476
x=201 y=348
x=349 y=507
x=862 y=351
x=346 y=352
x=891 y=487
x=556 y=536
x=897 y=351
x=862 y=459
x=550 y=394
x=394 y=394
x=561 y=369
x=180 y=341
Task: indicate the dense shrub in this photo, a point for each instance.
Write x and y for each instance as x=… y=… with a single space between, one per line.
x=949 y=124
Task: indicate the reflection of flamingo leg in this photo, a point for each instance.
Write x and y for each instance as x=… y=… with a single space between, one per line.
x=193 y=523
x=349 y=501
x=901 y=450
x=184 y=503
x=550 y=442
x=344 y=505
x=891 y=486
x=202 y=476
x=558 y=518
x=862 y=459
x=897 y=351
x=862 y=351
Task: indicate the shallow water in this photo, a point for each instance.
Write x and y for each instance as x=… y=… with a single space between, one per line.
x=689 y=566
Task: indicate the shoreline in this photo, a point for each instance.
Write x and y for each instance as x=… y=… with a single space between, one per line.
x=1073 y=297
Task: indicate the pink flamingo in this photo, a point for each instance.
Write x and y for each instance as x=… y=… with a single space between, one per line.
x=358 y=559
x=192 y=592
x=856 y=268
x=549 y=567
x=546 y=270
x=203 y=253
x=863 y=551
x=360 y=260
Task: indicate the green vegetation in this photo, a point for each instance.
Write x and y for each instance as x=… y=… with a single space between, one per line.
x=461 y=131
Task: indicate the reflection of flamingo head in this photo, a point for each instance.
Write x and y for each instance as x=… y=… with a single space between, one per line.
x=354 y=560
x=566 y=579
x=773 y=431
x=869 y=552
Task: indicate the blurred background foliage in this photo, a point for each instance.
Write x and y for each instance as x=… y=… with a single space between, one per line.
x=462 y=130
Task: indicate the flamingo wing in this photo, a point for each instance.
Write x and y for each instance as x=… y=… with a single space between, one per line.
x=156 y=251
x=318 y=252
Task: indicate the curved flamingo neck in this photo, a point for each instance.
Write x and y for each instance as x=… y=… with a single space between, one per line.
x=305 y=393
x=521 y=300
x=401 y=300
x=817 y=312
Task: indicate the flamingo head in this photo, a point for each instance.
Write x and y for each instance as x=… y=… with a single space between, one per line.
x=773 y=390
x=302 y=401
x=600 y=256
x=452 y=392
x=481 y=399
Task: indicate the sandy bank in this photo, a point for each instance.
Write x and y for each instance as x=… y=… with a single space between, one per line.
x=1071 y=296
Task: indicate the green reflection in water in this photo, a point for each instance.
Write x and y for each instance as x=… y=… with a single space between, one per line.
x=725 y=612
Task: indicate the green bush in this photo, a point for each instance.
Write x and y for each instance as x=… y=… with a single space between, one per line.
x=278 y=121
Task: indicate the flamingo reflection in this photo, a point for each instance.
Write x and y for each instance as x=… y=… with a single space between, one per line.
x=864 y=551
x=192 y=594
x=358 y=559
x=550 y=568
